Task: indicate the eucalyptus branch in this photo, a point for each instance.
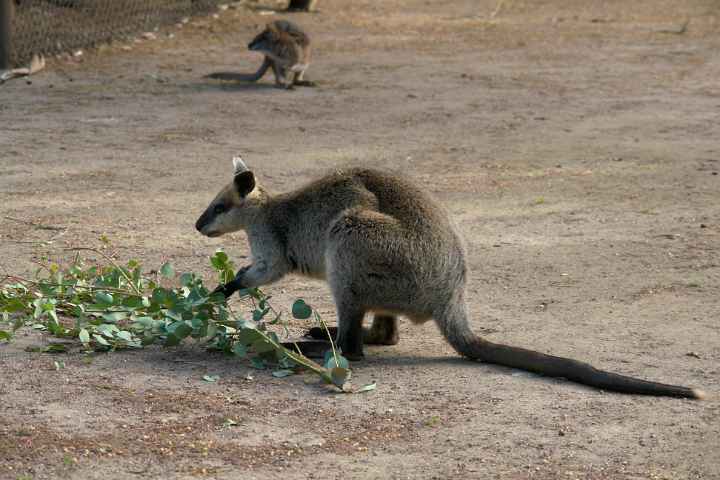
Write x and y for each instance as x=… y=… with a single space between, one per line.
x=143 y=311
x=72 y=285
x=327 y=331
x=111 y=260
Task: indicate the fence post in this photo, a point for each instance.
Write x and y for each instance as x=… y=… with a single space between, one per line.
x=7 y=8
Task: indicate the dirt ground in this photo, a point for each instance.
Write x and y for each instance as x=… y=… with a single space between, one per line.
x=576 y=144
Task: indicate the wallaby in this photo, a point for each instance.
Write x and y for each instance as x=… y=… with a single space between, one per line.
x=303 y=5
x=287 y=51
x=385 y=247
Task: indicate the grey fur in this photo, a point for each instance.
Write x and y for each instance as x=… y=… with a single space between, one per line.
x=386 y=247
x=287 y=51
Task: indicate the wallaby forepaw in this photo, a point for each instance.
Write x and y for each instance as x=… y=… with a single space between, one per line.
x=222 y=288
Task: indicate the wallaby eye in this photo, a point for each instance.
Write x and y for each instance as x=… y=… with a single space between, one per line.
x=219 y=208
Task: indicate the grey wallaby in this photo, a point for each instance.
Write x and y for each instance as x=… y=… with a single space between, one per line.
x=287 y=51
x=385 y=247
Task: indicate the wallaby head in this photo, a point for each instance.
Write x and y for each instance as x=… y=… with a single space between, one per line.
x=265 y=40
x=234 y=207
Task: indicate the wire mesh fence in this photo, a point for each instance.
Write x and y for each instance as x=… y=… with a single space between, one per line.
x=55 y=26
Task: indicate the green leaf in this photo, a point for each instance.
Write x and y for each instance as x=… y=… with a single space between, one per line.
x=258 y=363
x=261 y=346
x=55 y=348
x=248 y=336
x=133 y=302
x=107 y=329
x=103 y=298
x=366 y=388
x=342 y=362
x=179 y=329
x=84 y=336
x=125 y=335
x=219 y=260
x=99 y=339
x=145 y=322
x=301 y=310
x=211 y=378
x=160 y=296
x=282 y=373
x=14 y=305
x=167 y=270
x=186 y=279
x=259 y=314
x=239 y=349
x=339 y=376
x=114 y=317
x=173 y=315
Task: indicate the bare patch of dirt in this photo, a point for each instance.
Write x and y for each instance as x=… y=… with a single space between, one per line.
x=576 y=144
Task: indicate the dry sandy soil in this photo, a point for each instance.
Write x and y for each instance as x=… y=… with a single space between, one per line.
x=576 y=143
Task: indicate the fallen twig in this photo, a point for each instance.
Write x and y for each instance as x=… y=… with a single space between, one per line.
x=675 y=31
x=39 y=226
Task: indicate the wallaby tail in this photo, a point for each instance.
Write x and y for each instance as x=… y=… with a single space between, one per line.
x=454 y=326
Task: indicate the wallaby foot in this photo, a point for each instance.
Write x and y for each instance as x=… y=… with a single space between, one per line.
x=384 y=331
x=349 y=331
x=351 y=352
x=305 y=83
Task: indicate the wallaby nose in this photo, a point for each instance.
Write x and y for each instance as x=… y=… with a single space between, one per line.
x=199 y=224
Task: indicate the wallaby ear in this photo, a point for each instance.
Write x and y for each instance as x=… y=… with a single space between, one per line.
x=238 y=165
x=244 y=183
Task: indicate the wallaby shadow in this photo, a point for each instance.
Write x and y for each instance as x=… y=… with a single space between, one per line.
x=233 y=86
x=390 y=360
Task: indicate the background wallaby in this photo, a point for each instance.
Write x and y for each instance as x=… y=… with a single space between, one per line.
x=385 y=247
x=287 y=51
x=303 y=5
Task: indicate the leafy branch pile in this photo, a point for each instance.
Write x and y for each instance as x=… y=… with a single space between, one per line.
x=111 y=306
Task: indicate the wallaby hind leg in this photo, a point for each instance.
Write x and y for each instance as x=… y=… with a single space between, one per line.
x=384 y=331
x=281 y=79
x=349 y=331
x=298 y=80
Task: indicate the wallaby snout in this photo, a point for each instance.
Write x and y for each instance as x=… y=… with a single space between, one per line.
x=203 y=223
